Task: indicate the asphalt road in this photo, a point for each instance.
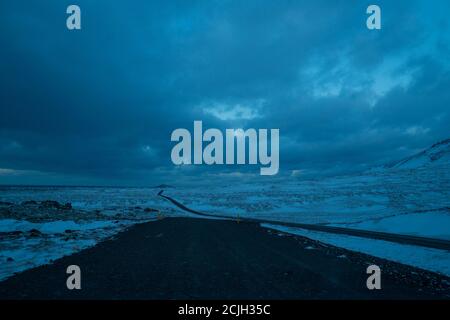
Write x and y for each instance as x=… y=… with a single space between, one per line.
x=187 y=258
x=392 y=237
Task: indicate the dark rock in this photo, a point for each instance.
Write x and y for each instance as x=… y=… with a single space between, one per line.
x=163 y=186
x=67 y=206
x=29 y=202
x=35 y=233
x=51 y=204
x=56 y=205
x=150 y=210
x=68 y=231
x=70 y=236
x=9 y=259
x=5 y=212
x=6 y=203
x=10 y=234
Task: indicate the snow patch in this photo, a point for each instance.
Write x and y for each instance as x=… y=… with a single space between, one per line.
x=430 y=224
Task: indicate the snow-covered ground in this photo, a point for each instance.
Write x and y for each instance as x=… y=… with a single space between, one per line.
x=32 y=234
x=107 y=199
x=336 y=200
x=426 y=224
x=52 y=240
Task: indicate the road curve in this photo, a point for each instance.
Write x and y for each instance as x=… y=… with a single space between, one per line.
x=398 y=238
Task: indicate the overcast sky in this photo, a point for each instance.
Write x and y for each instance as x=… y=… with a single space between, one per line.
x=97 y=106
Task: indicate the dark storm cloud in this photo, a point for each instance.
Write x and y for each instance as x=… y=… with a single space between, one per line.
x=101 y=103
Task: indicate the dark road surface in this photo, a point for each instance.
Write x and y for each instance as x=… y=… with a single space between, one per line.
x=398 y=238
x=186 y=258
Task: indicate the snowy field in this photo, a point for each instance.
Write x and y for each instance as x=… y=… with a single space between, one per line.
x=108 y=199
x=412 y=196
x=435 y=224
x=33 y=233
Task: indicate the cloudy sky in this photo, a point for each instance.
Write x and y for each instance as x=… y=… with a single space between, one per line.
x=97 y=106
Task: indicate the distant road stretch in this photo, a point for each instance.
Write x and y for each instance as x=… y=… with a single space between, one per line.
x=398 y=238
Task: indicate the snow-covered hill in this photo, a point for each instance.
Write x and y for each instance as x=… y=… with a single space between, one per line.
x=439 y=153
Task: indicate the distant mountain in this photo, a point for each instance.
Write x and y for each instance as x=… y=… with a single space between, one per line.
x=438 y=153
x=163 y=186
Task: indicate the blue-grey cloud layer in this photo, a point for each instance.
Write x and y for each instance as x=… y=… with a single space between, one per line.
x=98 y=105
